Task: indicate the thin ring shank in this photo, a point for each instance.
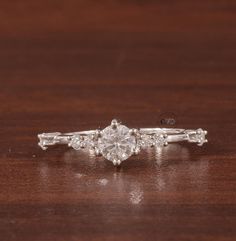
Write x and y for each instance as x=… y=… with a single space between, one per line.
x=148 y=131
x=172 y=135
x=160 y=130
x=89 y=132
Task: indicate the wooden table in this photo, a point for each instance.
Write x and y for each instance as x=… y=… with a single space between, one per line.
x=75 y=65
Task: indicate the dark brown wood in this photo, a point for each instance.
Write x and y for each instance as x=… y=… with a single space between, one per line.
x=73 y=65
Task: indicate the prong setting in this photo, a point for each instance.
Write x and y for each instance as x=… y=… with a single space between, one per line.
x=165 y=135
x=97 y=152
x=116 y=162
x=134 y=132
x=117 y=143
x=98 y=134
x=42 y=146
x=137 y=150
x=114 y=123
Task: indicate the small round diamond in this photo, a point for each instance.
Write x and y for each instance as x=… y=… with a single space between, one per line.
x=117 y=143
x=146 y=141
x=201 y=136
x=76 y=142
x=159 y=140
x=79 y=142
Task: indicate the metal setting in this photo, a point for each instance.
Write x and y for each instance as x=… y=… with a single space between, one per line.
x=117 y=142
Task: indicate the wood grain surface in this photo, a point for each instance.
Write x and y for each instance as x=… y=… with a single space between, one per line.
x=74 y=65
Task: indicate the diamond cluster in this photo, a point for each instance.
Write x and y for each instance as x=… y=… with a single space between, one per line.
x=117 y=142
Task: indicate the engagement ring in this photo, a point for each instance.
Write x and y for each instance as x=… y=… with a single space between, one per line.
x=117 y=142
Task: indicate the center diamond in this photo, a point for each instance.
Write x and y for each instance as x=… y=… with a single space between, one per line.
x=116 y=143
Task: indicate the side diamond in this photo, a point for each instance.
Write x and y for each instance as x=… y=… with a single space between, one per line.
x=159 y=140
x=79 y=142
x=76 y=142
x=201 y=137
x=146 y=141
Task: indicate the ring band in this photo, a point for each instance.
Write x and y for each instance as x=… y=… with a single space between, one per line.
x=117 y=142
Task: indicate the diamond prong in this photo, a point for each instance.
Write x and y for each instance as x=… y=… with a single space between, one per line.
x=114 y=123
x=97 y=152
x=199 y=131
x=98 y=133
x=116 y=162
x=133 y=131
x=137 y=150
x=42 y=146
x=200 y=142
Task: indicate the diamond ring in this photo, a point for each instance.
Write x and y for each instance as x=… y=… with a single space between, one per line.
x=117 y=142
